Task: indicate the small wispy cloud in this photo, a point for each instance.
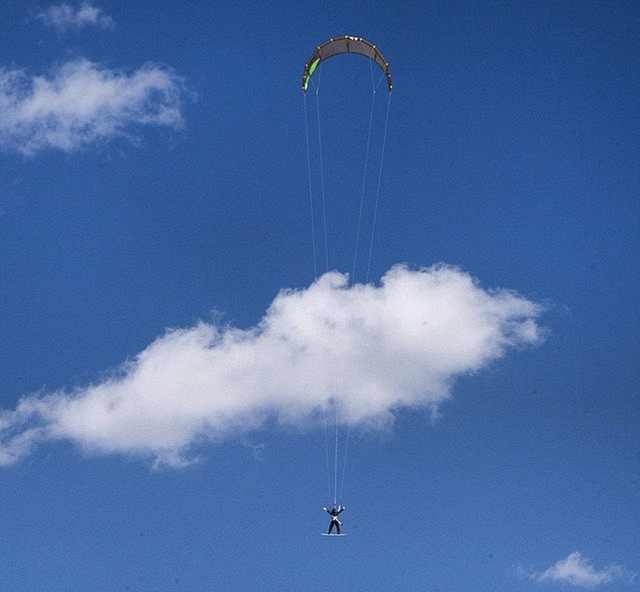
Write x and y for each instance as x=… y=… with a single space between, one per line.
x=576 y=570
x=257 y=448
x=63 y=17
x=397 y=345
x=81 y=102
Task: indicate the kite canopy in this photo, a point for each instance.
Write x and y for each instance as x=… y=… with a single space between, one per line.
x=346 y=44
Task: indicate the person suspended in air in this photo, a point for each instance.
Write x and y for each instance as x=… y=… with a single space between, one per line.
x=335 y=522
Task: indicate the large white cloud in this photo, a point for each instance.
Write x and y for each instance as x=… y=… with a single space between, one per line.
x=378 y=348
x=576 y=570
x=63 y=17
x=81 y=102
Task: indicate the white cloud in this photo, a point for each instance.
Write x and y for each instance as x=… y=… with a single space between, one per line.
x=575 y=570
x=63 y=17
x=80 y=103
x=378 y=348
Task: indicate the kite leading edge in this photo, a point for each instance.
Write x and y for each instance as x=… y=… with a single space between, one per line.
x=345 y=44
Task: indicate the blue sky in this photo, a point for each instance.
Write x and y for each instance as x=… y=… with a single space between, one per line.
x=166 y=356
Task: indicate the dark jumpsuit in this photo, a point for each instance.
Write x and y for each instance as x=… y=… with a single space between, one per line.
x=333 y=512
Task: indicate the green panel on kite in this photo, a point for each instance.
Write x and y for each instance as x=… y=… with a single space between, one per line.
x=309 y=74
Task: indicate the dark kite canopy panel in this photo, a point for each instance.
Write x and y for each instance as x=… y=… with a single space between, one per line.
x=346 y=44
